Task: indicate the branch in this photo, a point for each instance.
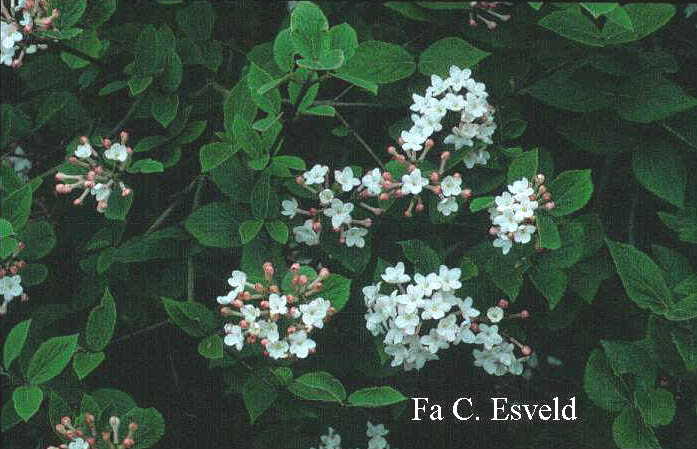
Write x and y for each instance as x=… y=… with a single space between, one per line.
x=360 y=139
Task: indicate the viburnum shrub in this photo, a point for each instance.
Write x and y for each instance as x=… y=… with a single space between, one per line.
x=308 y=216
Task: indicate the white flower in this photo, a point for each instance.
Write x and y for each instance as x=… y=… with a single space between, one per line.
x=314 y=312
x=453 y=102
x=306 y=234
x=506 y=221
x=227 y=299
x=277 y=304
x=422 y=104
x=116 y=152
x=476 y=105
x=502 y=241
x=398 y=352
x=395 y=275
x=101 y=191
x=10 y=287
x=377 y=430
x=433 y=341
x=372 y=181
x=237 y=279
x=524 y=209
x=451 y=186
x=488 y=336
x=435 y=308
x=277 y=349
x=448 y=328
x=467 y=310
x=8 y=36
x=407 y=322
x=331 y=440
x=439 y=85
x=316 y=174
x=413 y=299
x=524 y=233
x=339 y=212
x=459 y=138
x=371 y=293
x=413 y=139
x=504 y=202
x=429 y=282
x=521 y=189
x=354 y=237
x=447 y=206
x=300 y=345
x=413 y=182
x=290 y=207
x=495 y=314
x=346 y=179
x=326 y=196
x=449 y=278
x=250 y=312
x=458 y=77
x=267 y=329
x=83 y=150
x=78 y=443
x=234 y=337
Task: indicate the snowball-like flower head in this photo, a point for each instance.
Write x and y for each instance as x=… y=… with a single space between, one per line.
x=354 y=237
x=117 y=152
x=413 y=182
x=316 y=174
x=346 y=179
x=290 y=207
x=413 y=139
x=395 y=275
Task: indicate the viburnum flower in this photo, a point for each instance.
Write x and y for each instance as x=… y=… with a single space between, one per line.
x=316 y=174
x=101 y=173
x=376 y=438
x=16 y=26
x=85 y=435
x=419 y=319
x=279 y=321
x=513 y=213
x=306 y=233
x=413 y=182
x=10 y=279
x=346 y=179
x=354 y=237
x=339 y=212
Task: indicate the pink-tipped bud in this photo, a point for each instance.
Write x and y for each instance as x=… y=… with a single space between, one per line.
x=384 y=197
x=295 y=280
x=2 y=273
x=303 y=279
x=98 y=169
x=17 y=63
x=60 y=428
x=391 y=150
x=550 y=205
x=124 y=137
x=225 y=311
x=21 y=246
x=24 y=297
x=290 y=299
x=264 y=342
x=317 y=226
x=313 y=211
x=493 y=231
x=66 y=421
x=268 y=268
x=244 y=324
x=77 y=202
x=547 y=196
x=368 y=222
x=331 y=311
x=91 y=441
x=411 y=168
x=259 y=287
x=133 y=427
x=420 y=207
x=264 y=304
x=525 y=314
x=79 y=433
x=471 y=22
x=324 y=273
x=102 y=205
x=106 y=436
x=318 y=286
x=106 y=143
x=128 y=443
x=251 y=339
x=434 y=177
x=437 y=190
x=90 y=175
x=129 y=150
x=237 y=303
x=399 y=193
x=21 y=264
x=408 y=214
x=445 y=155
x=28 y=28
x=540 y=178
x=72 y=160
x=299 y=180
x=503 y=303
x=467 y=193
x=84 y=140
x=474 y=327
x=457 y=175
x=387 y=176
x=273 y=289
x=295 y=267
x=542 y=190
x=126 y=192
x=401 y=159
x=70 y=434
x=365 y=194
x=400 y=141
x=526 y=350
x=58 y=176
x=429 y=144
x=291 y=329
x=342 y=239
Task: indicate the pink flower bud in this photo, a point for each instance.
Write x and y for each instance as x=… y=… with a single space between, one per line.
x=24 y=297
x=387 y=176
x=324 y=273
x=313 y=211
x=264 y=304
x=525 y=314
x=540 y=178
x=224 y=311
x=303 y=279
x=420 y=207
x=318 y=286
x=89 y=184
x=72 y=160
x=126 y=191
x=291 y=329
x=17 y=63
x=66 y=421
x=401 y=158
x=445 y=155
x=550 y=205
x=290 y=299
x=295 y=280
x=503 y=303
x=77 y=202
x=129 y=150
x=106 y=143
x=474 y=327
x=342 y=239
x=295 y=267
x=384 y=197
x=124 y=137
x=133 y=427
x=244 y=324
x=429 y=144
x=98 y=169
x=273 y=289
x=526 y=350
x=437 y=190
x=391 y=150
x=13 y=269
x=299 y=180
x=317 y=226
x=471 y=22
x=268 y=268
x=368 y=222
x=400 y=141
x=411 y=168
x=541 y=190
x=128 y=443
x=407 y=213
x=493 y=230
x=399 y=193
x=467 y=193
x=547 y=196
x=258 y=287
x=237 y=303
x=264 y=342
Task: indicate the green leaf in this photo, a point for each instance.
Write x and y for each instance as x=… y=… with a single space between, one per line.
x=685 y=341
x=211 y=347
x=610 y=135
x=40 y=239
x=601 y=384
x=550 y=282
x=86 y=42
x=620 y=17
x=547 y=231
x=171 y=76
x=318 y=386
x=523 y=166
x=118 y=207
x=192 y=317
x=261 y=198
x=52 y=356
x=214 y=154
x=656 y=405
x=599 y=9
x=27 y=400
x=330 y=60
x=684 y=222
x=425 y=259
x=86 y=362
x=16 y=206
x=216 y=225
x=337 y=290
x=440 y=56
x=343 y=37
x=148 y=52
x=627 y=357
x=309 y=30
x=685 y=309
x=71 y=12
x=257 y=79
x=629 y=432
x=196 y=20
x=587 y=275
x=570 y=191
x=151 y=426
x=164 y=108
x=482 y=203
x=380 y=62
x=376 y=397
x=321 y=110
x=641 y=277
x=650 y=97
x=101 y=323
x=249 y=229
x=283 y=50
x=137 y=85
x=278 y=231
x=146 y=166
x=14 y=343
x=249 y=139
x=192 y=132
x=358 y=82
x=258 y=396
x=149 y=143
x=569 y=252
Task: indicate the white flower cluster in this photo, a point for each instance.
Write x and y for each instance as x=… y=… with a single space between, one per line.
x=376 y=438
x=101 y=172
x=419 y=318
x=337 y=211
x=85 y=434
x=10 y=280
x=280 y=321
x=457 y=93
x=514 y=213
x=16 y=23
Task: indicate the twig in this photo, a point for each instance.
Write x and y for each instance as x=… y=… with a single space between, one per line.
x=140 y=331
x=127 y=117
x=355 y=105
x=360 y=139
x=190 y=279
x=632 y=217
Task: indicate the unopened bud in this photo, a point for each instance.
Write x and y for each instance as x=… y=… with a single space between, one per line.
x=503 y=303
x=300 y=180
x=273 y=288
x=429 y=144
x=467 y=193
x=445 y=155
x=550 y=205
x=295 y=267
x=526 y=350
x=525 y=314
x=540 y=178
